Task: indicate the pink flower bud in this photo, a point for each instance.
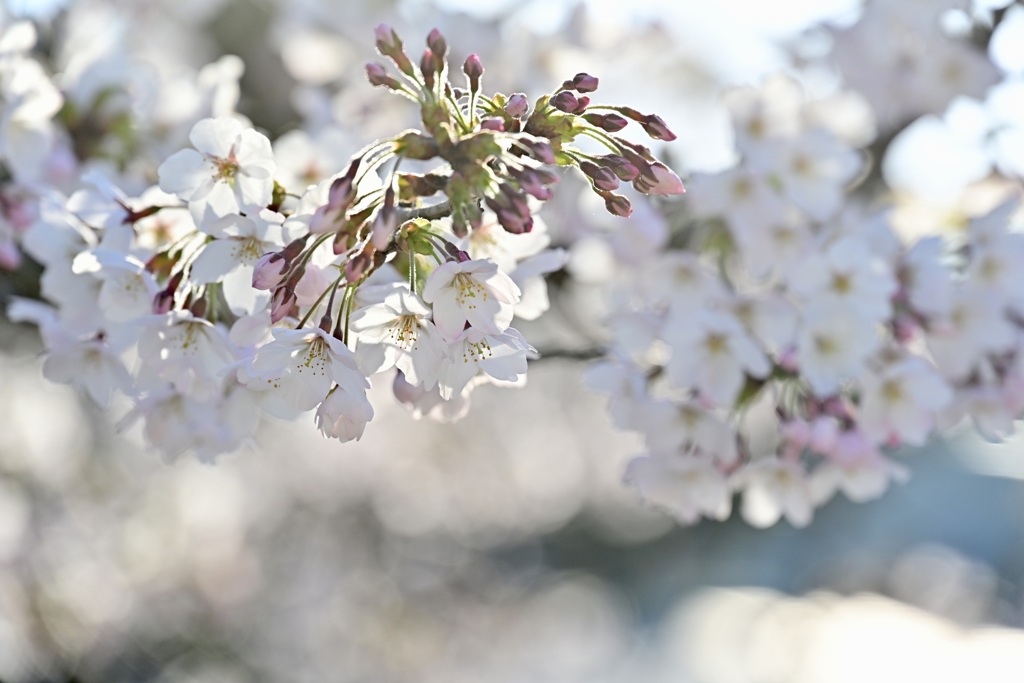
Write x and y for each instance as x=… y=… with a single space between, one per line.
x=604 y=178
x=657 y=128
x=387 y=39
x=610 y=123
x=539 y=150
x=437 y=44
x=617 y=205
x=269 y=271
x=493 y=123
x=584 y=83
x=517 y=105
x=281 y=303
x=378 y=76
x=621 y=167
x=357 y=265
x=385 y=223
x=429 y=68
x=658 y=179
x=163 y=301
x=474 y=70
x=564 y=101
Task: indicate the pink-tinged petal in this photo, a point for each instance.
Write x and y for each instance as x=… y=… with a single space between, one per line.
x=668 y=183
x=449 y=318
x=217 y=259
x=216 y=137
x=183 y=172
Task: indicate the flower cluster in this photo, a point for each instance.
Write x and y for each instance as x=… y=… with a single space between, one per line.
x=815 y=341
x=221 y=294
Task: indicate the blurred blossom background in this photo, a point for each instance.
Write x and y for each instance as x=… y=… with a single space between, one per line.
x=505 y=547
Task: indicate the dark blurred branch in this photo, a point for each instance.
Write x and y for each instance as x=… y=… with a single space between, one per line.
x=592 y=353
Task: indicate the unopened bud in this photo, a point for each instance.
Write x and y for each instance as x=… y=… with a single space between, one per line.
x=163 y=301
x=429 y=69
x=357 y=265
x=389 y=45
x=539 y=150
x=564 y=101
x=657 y=128
x=378 y=76
x=658 y=179
x=583 y=82
x=387 y=40
x=281 y=303
x=437 y=43
x=617 y=205
x=493 y=123
x=535 y=182
x=604 y=178
x=610 y=123
x=581 y=105
x=517 y=105
x=474 y=70
x=269 y=271
x=385 y=223
x=621 y=167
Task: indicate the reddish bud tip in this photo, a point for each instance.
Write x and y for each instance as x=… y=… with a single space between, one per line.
x=657 y=128
x=584 y=83
x=474 y=70
x=611 y=123
x=564 y=101
x=517 y=105
x=378 y=75
x=269 y=271
x=494 y=124
x=618 y=205
x=437 y=44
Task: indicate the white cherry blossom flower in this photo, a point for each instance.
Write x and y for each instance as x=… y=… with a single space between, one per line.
x=500 y=356
x=974 y=326
x=89 y=364
x=901 y=400
x=815 y=168
x=686 y=487
x=773 y=488
x=128 y=288
x=671 y=427
x=846 y=276
x=294 y=372
x=398 y=332
x=712 y=353
x=230 y=170
x=832 y=345
x=473 y=291
x=343 y=415
x=856 y=468
x=926 y=277
x=186 y=352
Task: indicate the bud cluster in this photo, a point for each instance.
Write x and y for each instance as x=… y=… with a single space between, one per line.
x=242 y=296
